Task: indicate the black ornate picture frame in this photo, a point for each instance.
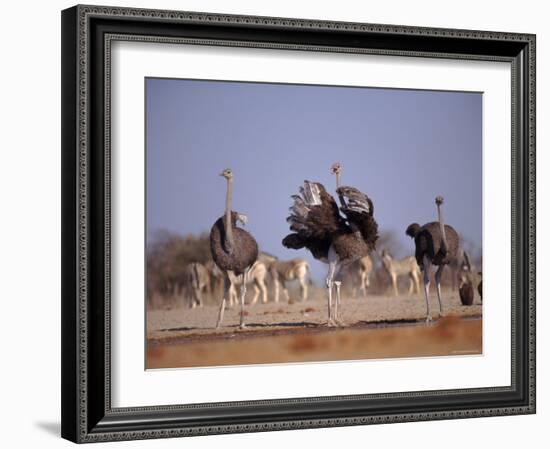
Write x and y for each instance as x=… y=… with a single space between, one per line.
x=87 y=413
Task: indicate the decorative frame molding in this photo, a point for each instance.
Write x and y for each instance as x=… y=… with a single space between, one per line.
x=87 y=34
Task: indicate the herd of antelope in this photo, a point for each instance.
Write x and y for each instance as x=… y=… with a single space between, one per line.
x=269 y=275
x=207 y=279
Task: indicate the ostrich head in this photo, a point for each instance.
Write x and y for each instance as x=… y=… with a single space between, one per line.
x=237 y=217
x=242 y=218
x=336 y=168
x=227 y=174
x=439 y=200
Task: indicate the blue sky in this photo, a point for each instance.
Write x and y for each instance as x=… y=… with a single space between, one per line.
x=400 y=147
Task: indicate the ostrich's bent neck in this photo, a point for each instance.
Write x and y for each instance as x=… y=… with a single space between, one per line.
x=442 y=227
x=228 y=204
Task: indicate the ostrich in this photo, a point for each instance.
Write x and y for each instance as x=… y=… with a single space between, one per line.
x=480 y=287
x=338 y=240
x=466 y=293
x=436 y=244
x=233 y=249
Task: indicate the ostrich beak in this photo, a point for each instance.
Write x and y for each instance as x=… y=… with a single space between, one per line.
x=243 y=219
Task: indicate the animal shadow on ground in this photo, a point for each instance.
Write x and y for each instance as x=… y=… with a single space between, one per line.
x=296 y=324
x=176 y=329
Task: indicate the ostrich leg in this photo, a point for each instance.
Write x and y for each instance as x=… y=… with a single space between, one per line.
x=330 y=276
x=337 y=302
x=336 y=317
x=426 y=270
x=438 y=285
x=226 y=289
x=243 y=294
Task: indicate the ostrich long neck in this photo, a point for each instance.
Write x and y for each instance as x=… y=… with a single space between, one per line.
x=340 y=197
x=442 y=227
x=228 y=204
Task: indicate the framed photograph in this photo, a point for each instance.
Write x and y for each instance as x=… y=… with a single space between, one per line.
x=278 y=223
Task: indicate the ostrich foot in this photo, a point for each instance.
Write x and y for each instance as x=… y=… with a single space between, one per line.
x=429 y=320
x=242 y=326
x=340 y=322
x=331 y=323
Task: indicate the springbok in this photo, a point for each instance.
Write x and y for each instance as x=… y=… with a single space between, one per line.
x=257 y=275
x=197 y=282
x=406 y=266
x=283 y=271
x=362 y=271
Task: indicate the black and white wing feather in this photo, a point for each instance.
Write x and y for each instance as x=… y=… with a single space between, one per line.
x=359 y=211
x=314 y=217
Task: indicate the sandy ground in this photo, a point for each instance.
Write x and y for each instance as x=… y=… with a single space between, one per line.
x=375 y=327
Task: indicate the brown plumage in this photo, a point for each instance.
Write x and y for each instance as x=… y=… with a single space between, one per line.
x=428 y=242
x=435 y=244
x=318 y=225
x=334 y=235
x=466 y=292
x=233 y=249
x=236 y=261
x=480 y=289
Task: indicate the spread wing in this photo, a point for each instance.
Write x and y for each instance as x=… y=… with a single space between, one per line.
x=314 y=212
x=314 y=217
x=359 y=211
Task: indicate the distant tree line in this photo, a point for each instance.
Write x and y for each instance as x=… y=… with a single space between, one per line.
x=168 y=256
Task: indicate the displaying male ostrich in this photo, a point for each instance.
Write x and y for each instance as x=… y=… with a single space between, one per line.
x=233 y=249
x=330 y=237
x=436 y=244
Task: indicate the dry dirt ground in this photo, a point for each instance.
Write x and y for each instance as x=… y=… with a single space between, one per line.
x=375 y=327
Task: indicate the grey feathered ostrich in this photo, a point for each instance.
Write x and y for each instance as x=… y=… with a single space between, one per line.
x=330 y=237
x=436 y=244
x=233 y=249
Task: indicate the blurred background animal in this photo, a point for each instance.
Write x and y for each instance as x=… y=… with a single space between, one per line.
x=197 y=283
x=480 y=287
x=468 y=275
x=285 y=271
x=466 y=293
x=402 y=267
x=360 y=273
x=257 y=277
